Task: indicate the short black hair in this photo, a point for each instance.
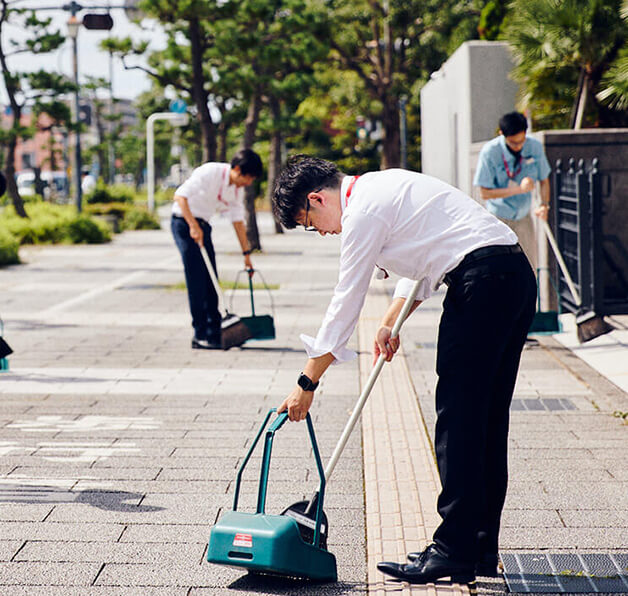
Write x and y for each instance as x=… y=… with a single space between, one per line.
x=513 y=123
x=249 y=162
x=301 y=175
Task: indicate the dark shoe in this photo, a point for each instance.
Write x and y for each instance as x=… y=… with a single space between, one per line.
x=203 y=344
x=429 y=566
x=487 y=566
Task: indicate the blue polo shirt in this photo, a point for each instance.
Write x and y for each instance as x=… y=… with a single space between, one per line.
x=496 y=167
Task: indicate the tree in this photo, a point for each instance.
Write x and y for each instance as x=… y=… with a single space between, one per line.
x=271 y=72
x=563 y=49
x=131 y=144
x=24 y=88
x=188 y=59
x=392 y=45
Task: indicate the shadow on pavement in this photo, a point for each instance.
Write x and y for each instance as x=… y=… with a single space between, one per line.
x=108 y=500
x=264 y=584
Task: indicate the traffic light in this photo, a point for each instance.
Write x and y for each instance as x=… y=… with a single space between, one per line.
x=98 y=21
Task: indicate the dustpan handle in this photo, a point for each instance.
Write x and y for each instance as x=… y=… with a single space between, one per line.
x=248 y=456
x=322 y=483
x=263 y=482
x=235 y=285
x=268 y=447
x=251 y=292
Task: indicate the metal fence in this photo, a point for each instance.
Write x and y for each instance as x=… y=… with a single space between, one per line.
x=598 y=263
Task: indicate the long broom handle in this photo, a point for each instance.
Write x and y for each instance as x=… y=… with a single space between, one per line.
x=212 y=275
x=359 y=406
x=561 y=262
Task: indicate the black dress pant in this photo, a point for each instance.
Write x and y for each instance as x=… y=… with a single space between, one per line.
x=487 y=312
x=202 y=296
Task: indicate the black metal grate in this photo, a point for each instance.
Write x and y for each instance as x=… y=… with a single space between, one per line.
x=566 y=573
x=542 y=405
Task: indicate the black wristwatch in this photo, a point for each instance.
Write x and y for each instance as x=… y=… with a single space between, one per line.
x=306 y=383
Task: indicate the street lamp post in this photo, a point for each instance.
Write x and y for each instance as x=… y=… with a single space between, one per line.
x=73 y=27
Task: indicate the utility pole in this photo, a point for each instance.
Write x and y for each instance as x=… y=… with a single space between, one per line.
x=73 y=27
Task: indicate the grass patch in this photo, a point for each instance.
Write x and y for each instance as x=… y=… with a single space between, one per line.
x=228 y=285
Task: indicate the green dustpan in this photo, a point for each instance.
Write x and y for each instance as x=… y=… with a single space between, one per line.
x=271 y=544
x=5 y=350
x=545 y=322
x=260 y=326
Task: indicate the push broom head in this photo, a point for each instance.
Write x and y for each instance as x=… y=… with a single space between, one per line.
x=590 y=326
x=233 y=332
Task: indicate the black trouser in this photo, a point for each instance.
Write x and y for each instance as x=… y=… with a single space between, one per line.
x=201 y=293
x=487 y=312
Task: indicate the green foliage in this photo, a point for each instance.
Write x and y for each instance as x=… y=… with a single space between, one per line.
x=85 y=230
x=140 y=219
x=118 y=193
x=614 y=84
x=555 y=43
x=127 y=215
x=9 y=246
x=47 y=223
x=491 y=19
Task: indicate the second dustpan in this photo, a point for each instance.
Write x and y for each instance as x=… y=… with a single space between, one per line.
x=260 y=326
x=233 y=332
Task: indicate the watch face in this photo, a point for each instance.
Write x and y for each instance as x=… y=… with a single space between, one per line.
x=306 y=383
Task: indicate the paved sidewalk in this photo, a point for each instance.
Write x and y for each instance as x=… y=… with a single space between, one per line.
x=119 y=444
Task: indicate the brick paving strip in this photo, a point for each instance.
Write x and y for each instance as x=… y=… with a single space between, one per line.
x=400 y=476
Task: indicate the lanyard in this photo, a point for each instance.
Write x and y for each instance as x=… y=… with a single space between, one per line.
x=350 y=189
x=222 y=183
x=511 y=175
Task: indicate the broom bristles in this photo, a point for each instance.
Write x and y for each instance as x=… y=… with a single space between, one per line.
x=589 y=326
x=234 y=334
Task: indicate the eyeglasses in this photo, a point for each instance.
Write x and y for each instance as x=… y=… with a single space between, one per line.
x=307 y=215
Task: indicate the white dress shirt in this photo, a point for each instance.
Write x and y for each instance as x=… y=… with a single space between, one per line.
x=208 y=192
x=411 y=224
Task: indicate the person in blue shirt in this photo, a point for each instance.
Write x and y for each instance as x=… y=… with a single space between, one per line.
x=508 y=168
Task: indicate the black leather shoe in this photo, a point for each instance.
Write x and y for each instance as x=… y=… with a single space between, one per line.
x=487 y=566
x=429 y=566
x=203 y=344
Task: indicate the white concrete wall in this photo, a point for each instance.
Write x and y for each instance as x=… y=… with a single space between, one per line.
x=461 y=105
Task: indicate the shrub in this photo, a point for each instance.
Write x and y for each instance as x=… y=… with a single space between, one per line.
x=117 y=193
x=116 y=208
x=85 y=230
x=138 y=218
x=9 y=246
x=53 y=224
x=130 y=217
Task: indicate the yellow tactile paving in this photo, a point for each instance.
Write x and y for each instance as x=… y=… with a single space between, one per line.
x=400 y=475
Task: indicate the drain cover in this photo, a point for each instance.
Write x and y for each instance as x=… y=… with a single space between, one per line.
x=566 y=572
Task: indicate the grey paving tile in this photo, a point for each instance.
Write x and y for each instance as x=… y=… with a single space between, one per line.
x=145 y=553
x=8 y=549
x=168 y=533
x=61 y=531
x=600 y=539
x=48 y=574
x=23 y=512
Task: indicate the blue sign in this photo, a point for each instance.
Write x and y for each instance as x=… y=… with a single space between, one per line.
x=178 y=106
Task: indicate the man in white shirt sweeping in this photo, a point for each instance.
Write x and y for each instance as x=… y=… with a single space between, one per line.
x=428 y=231
x=212 y=188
